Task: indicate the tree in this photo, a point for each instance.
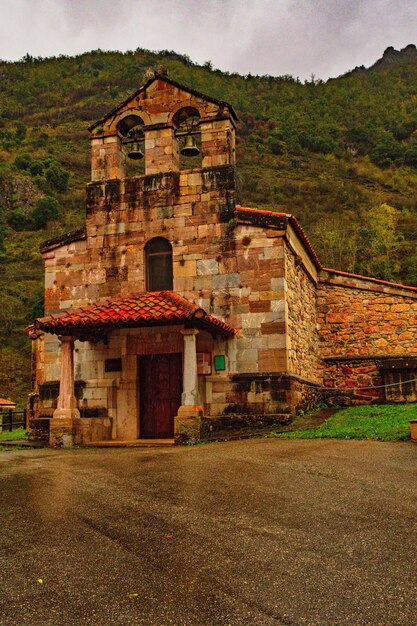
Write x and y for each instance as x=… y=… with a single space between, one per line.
x=17 y=219
x=57 y=177
x=386 y=152
x=336 y=240
x=382 y=241
x=410 y=156
x=46 y=209
x=9 y=314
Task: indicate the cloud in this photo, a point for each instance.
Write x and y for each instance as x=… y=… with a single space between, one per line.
x=298 y=37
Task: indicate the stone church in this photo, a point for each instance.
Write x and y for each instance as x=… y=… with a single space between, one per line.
x=176 y=309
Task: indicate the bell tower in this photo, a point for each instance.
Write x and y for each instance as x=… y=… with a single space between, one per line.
x=185 y=194
x=165 y=124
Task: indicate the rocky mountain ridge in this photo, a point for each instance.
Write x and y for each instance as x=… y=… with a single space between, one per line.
x=390 y=56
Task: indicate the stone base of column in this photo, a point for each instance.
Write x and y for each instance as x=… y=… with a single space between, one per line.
x=62 y=428
x=187 y=423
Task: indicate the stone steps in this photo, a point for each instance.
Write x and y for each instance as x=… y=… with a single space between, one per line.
x=24 y=443
x=133 y=443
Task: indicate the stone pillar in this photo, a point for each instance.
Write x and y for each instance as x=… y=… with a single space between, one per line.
x=64 y=422
x=107 y=158
x=189 y=377
x=161 y=151
x=188 y=420
x=218 y=143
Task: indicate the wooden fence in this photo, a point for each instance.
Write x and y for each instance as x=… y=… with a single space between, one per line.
x=11 y=420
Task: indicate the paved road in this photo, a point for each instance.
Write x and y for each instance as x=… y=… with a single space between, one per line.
x=251 y=532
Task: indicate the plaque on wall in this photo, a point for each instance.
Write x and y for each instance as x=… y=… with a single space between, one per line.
x=113 y=365
x=204 y=363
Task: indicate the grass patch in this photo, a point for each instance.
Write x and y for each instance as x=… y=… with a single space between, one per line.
x=389 y=422
x=198 y=442
x=14 y=435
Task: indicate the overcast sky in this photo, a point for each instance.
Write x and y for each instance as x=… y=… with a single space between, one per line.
x=298 y=37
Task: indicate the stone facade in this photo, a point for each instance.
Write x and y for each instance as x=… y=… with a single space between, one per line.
x=299 y=328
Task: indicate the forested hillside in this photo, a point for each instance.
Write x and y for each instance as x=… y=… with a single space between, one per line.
x=340 y=155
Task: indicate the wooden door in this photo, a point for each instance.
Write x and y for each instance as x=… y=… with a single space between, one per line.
x=160 y=388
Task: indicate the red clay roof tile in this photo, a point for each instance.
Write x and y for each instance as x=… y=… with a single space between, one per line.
x=135 y=309
x=4 y=402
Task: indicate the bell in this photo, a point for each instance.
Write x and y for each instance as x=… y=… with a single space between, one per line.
x=135 y=153
x=190 y=148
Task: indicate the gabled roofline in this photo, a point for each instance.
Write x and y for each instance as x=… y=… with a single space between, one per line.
x=62 y=240
x=377 y=281
x=157 y=76
x=288 y=218
x=291 y=219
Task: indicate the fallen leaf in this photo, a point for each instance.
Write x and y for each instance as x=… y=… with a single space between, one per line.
x=168 y=536
x=133 y=595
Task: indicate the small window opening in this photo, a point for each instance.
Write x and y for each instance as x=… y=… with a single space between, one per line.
x=158 y=256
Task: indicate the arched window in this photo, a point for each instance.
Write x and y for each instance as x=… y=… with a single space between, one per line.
x=158 y=257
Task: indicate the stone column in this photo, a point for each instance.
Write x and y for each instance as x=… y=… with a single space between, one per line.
x=189 y=377
x=64 y=422
x=188 y=420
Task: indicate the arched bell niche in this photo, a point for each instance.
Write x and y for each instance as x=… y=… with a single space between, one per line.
x=131 y=132
x=186 y=122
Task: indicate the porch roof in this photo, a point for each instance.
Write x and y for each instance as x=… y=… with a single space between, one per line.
x=4 y=402
x=140 y=309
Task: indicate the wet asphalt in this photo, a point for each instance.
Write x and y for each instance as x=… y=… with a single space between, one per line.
x=250 y=532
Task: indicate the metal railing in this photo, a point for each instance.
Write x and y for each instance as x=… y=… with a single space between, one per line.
x=8 y=421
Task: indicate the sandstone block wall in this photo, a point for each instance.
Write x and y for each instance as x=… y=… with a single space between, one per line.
x=362 y=324
x=302 y=325
x=366 y=319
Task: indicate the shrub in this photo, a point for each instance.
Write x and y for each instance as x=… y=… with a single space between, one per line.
x=41 y=140
x=57 y=177
x=17 y=219
x=36 y=168
x=46 y=209
x=386 y=152
x=23 y=161
x=276 y=146
x=3 y=230
x=317 y=143
x=20 y=131
x=410 y=156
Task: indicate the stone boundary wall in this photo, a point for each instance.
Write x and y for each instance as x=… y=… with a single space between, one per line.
x=358 y=318
x=355 y=381
x=363 y=323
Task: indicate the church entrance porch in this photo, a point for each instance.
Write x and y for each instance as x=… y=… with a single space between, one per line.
x=150 y=389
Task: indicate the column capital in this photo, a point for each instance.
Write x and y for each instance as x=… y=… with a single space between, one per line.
x=66 y=338
x=189 y=331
